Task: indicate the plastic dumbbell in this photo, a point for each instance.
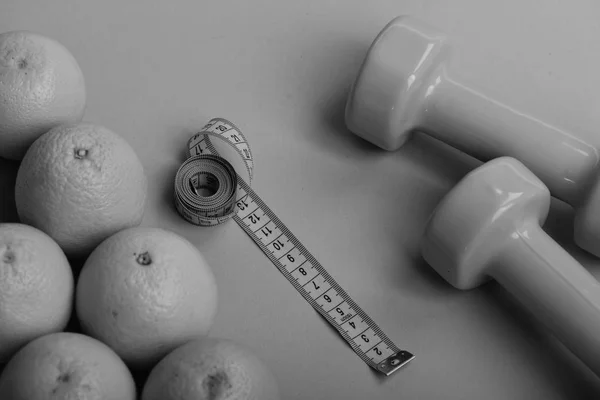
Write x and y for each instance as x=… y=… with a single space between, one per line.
x=404 y=85
x=489 y=227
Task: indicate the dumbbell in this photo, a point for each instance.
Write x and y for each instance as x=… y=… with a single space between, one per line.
x=489 y=227
x=404 y=85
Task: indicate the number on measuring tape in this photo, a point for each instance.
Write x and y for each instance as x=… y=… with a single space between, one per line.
x=284 y=250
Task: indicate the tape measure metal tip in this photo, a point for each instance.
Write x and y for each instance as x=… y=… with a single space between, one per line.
x=395 y=362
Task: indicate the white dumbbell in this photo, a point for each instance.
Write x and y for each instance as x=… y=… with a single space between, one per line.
x=404 y=85
x=489 y=227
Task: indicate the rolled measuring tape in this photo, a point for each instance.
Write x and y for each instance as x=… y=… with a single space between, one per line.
x=206 y=183
x=213 y=186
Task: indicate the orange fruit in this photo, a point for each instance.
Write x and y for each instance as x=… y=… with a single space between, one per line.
x=80 y=184
x=36 y=287
x=210 y=369
x=66 y=366
x=145 y=291
x=41 y=86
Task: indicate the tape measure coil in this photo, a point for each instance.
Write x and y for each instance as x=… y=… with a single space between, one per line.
x=206 y=172
x=205 y=160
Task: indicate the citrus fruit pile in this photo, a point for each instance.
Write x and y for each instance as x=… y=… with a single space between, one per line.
x=144 y=298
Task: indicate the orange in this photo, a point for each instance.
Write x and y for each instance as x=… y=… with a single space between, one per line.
x=210 y=369
x=80 y=184
x=145 y=291
x=41 y=86
x=66 y=366
x=36 y=287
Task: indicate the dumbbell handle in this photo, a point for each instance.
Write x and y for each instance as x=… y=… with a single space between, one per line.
x=555 y=288
x=485 y=128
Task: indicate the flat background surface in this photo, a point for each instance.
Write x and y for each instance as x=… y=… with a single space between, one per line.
x=156 y=71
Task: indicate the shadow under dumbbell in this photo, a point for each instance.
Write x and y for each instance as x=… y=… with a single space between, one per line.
x=447 y=166
x=550 y=358
x=559 y=225
x=339 y=138
x=441 y=160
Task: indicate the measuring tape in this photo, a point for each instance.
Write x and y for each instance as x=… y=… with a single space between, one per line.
x=213 y=186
